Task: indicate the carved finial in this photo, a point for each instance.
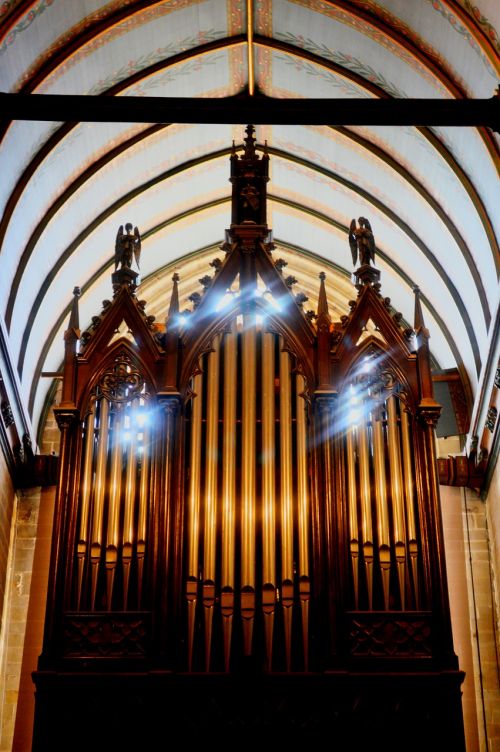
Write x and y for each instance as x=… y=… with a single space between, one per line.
x=249 y=142
x=322 y=300
x=74 y=319
x=173 y=310
x=127 y=248
x=362 y=245
x=419 y=324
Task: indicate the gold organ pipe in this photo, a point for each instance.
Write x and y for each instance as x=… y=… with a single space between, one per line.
x=128 y=515
x=366 y=509
x=364 y=478
x=211 y=462
x=194 y=482
x=209 y=536
x=268 y=463
x=229 y=459
x=248 y=479
x=85 y=496
x=303 y=513
x=408 y=474
x=409 y=496
x=194 y=511
x=248 y=458
x=396 y=491
x=115 y=479
x=143 y=489
x=268 y=491
x=286 y=498
x=302 y=490
x=353 y=509
x=100 y=490
x=228 y=488
x=131 y=474
x=142 y=516
x=115 y=482
x=286 y=466
x=395 y=465
x=381 y=504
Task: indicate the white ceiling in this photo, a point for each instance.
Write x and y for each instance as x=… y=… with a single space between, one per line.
x=432 y=195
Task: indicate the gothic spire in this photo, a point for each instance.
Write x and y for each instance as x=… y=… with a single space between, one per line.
x=173 y=310
x=323 y=312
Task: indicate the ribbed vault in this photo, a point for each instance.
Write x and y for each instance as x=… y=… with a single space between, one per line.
x=431 y=194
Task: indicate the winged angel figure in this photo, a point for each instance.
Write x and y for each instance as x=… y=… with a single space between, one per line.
x=127 y=247
x=362 y=242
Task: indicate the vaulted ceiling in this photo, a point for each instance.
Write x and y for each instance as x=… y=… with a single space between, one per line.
x=431 y=193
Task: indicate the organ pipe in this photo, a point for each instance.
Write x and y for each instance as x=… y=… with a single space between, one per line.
x=228 y=488
x=286 y=497
x=86 y=489
x=366 y=509
x=100 y=490
x=194 y=509
x=381 y=505
x=303 y=514
x=409 y=497
x=353 y=509
x=268 y=490
x=129 y=509
x=210 y=526
x=396 y=491
x=143 y=509
x=112 y=531
x=248 y=478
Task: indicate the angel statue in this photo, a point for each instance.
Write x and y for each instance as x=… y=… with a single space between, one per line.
x=127 y=246
x=362 y=242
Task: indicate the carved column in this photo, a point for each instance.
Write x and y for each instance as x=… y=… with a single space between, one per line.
x=164 y=569
x=324 y=516
x=433 y=539
x=64 y=513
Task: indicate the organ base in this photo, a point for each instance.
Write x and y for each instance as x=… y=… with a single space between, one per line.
x=160 y=710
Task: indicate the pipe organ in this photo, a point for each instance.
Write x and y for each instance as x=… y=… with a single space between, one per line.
x=247 y=529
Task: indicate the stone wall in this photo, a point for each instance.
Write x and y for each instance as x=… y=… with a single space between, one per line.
x=6 y=509
x=19 y=576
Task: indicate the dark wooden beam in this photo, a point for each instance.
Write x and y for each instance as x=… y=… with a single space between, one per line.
x=258 y=109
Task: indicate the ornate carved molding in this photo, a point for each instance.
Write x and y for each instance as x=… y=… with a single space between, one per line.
x=105 y=635
x=390 y=635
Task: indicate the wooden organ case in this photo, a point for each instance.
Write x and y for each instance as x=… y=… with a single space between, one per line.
x=247 y=532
